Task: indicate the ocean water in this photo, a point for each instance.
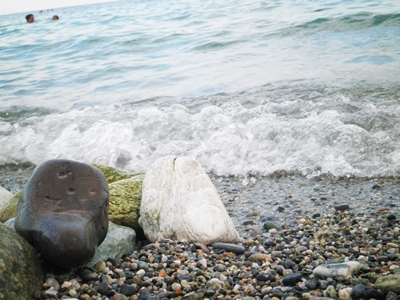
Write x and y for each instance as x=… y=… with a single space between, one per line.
x=250 y=86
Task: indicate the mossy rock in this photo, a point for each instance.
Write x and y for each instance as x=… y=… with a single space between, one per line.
x=112 y=174
x=125 y=198
x=271 y=225
x=389 y=283
x=9 y=209
x=21 y=271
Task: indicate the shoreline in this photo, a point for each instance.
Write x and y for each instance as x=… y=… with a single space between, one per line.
x=281 y=198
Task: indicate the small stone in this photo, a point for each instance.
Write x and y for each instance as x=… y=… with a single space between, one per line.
x=151 y=246
x=381 y=258
x=219 y=268
x=389 y=283
x=265 y=277
x=191 y=296
x=269 y=243
x=291 y=279
x=342 y=207
x=392 y=296
x=271 y=225
x=345 y=294
x=100 y=266
x=52 y=283
x=373 y=294
x=330 y=292
x=358 y=290
x=337 y=271
x=237 y=249
x=128 y=290
x=376 y=187
x=260 y=257
x=176 y=286
x=312 y=283
x=88 y=275
x=102 y=288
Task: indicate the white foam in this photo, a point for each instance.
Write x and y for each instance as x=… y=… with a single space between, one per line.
x=312 y=137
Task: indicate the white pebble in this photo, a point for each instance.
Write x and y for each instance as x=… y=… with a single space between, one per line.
x=345 y=294
x=362 y=258
x=66 y=284
x=338 y=271
x=72 y=292
x=176 y=286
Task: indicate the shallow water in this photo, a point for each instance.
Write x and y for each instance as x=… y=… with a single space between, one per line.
x=243 y=87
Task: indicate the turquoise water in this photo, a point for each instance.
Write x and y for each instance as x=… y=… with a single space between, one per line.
x=242 y=86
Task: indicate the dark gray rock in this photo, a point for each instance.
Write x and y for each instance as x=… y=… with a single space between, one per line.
x=342 y=207
x=358 y=290
x=219 y=268
x=265 y=277
x=144 y=295
x=237 y=249
x=102 y=288
x=373 y=294
x=269 y=243
x=128 y=290
x=276 y=292
x=63 y=212
x=376 y=187
x=313 y=283
x=392 y=296
x=21 y=271
x=291 y=279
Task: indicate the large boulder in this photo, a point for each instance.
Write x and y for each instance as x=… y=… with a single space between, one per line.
x=5 y=195
x=9 y=209
x=120 y=240
x=63 y=212
x=180 y=202
x=125 y=198
x=21 y=271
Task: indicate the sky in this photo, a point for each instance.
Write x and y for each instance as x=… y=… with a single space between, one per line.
x=18 y=6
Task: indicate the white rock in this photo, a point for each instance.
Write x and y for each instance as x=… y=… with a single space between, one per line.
x=345 y=294
x=179 y=202
x=5 y=195
x=337 y=271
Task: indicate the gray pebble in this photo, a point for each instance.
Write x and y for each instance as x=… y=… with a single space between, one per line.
x=237 y=249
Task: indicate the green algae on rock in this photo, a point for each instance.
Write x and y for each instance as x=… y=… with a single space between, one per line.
x=112 y=174
x=21 y=271
x=389 y=283
x=9 y=209
x=125 y=198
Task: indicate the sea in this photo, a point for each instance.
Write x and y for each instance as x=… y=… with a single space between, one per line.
x=244 y=87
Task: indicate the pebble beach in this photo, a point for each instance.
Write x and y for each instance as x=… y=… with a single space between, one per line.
x=289 y=225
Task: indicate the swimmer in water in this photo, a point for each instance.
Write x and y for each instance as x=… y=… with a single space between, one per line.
x=55 y=17
x=29 y=18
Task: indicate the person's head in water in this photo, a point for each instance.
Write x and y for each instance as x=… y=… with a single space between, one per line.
x=55 y=17
x=29 y=18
